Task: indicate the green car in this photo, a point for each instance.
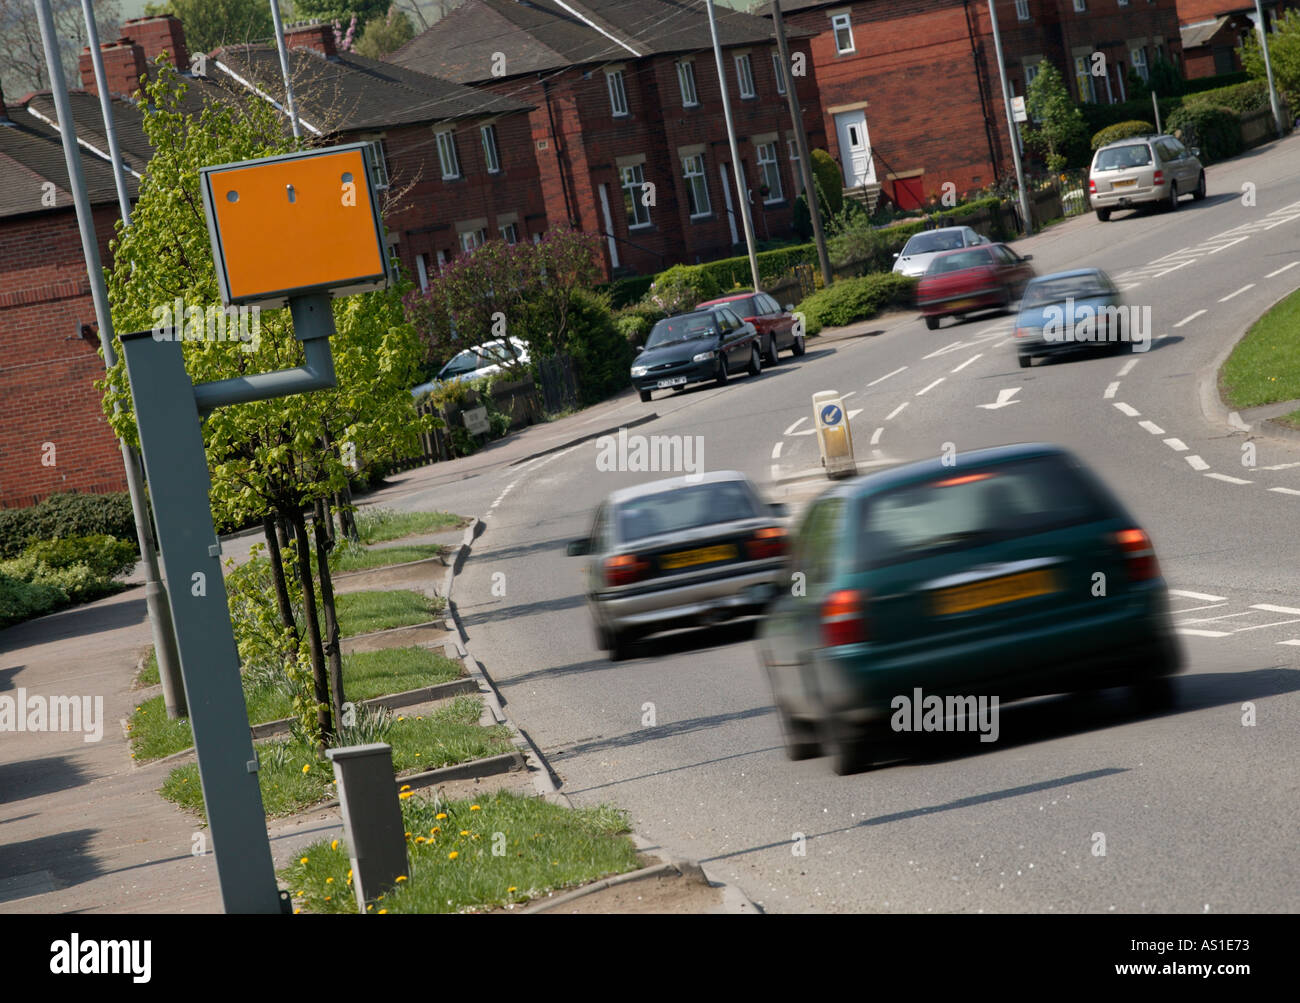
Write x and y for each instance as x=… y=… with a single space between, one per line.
x=1010 y=573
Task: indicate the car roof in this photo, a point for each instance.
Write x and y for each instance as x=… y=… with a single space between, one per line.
x=722 y=300
x=1071 y=274
x=940 y=229
x=965 y=250
x=671 y=484
x=1146 y=137
x=923 y=470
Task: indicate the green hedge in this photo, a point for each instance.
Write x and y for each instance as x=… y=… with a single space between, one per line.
x=1223 y=81
x=1121 y=130
x=1243 y=99
x=51 y=574
x=68 y=514
x=1217 y=130
x=851 y=300
x=627 y=291
x=602 y=355
x=105 y=556
x=1099 y=116
x=23 y=600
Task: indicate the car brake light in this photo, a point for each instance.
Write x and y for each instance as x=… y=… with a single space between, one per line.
x=1092 y=186
x=766 y=542
x=844 y=618
x=624 y=569
x=1159 y=178
x=1022 y=332
x=1139 y=555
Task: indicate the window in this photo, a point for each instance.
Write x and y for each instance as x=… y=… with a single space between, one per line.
x=1083 y=78
x=638 y=214
x=686 y=80
x=779 y=70
x=617 y=95
x=1123 y=3
x=471 y=239
x=843 y=28
x=1022 y=9
x=490 y=149
x=509 y=233
x=770 y=172
x=422 y=272
x=1140 y=63
x=447 y=155
x=745 y=76
x=697 y=186
x=1080 y=5
x=796 y=171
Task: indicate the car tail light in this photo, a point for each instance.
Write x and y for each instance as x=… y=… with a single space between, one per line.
x=1139 y=555
x=1092 y=186
x=1022 y=332
x=766 y=542
x=844 y=618
x=624 y=569
x=1159 y=178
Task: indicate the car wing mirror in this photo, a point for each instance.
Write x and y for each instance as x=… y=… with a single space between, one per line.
x=778 y=509
x=640 y=348
x=789 y=308
x=1027 y=257
x=578 y=548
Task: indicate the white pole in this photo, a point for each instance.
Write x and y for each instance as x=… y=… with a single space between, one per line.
x=284 y=69
x=1268 y=70
x=1011 y=124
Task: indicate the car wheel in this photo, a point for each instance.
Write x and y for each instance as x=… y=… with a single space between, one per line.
x=618 y=644
x=1172 y=202
x=1200 y=188
x=645 y=396
x=800 y=737
x=849 y=748
x=721 y=377
x=932 y=323
x=799 y=346
x=755 y=361
x=1155 y=694
x=1025 y=361
x=771 y=356
x=1103 y=215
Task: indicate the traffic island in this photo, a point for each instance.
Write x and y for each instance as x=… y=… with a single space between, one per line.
x=1260 y=379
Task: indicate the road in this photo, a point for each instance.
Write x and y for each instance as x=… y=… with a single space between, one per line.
x=1198 y=810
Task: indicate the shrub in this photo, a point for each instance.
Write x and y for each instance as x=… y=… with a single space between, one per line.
x=1099 y=116
x=1245 y=98
x=105 y=556
x=1216 y=130
x=67 y=514
x=851 y=300
x=680 y=287
x=627 y=291
x=829 y=181
x=1121 y=130
x=22 y=600
x=602 y=355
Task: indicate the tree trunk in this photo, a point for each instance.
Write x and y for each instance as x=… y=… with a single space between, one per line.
x=323 y=545
x=277 y=574
x=347 y=516
x=321 y=682
x=282 y=531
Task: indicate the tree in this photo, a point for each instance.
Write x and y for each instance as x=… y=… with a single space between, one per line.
x=341 y=10
x=1061 y=128
x=210 y=24
x=22 y=55
x=826 y=174
x=385 y=35
x=1283 y=53
x=268 y=460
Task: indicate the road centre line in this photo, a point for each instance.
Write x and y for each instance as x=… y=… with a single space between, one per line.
x=1110 y=390
x=1230 y=243
x=1189 y=319
x=1173 y=268
x=1200 y=633
x=1249 y=285
x=1127 y=409
x=1213 y=619
x=1177 y=445
x=1275 y=623
x=887 y=376
x=1196 y=609
x=1197 y=595
x=940 y=351
x=1285 y=491
x=875 y=436
x=1269 y=608
x=776 y=450
x=931 y=386
x=1002 y=342
x=894 y=413
x=1230 y=480
x=1127 y=368
x=967 y=362
x=1282 y=269
x=1196 y=462
x=1152 y=427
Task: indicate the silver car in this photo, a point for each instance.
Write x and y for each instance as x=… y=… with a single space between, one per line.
x=1144 y=170
x=681 y=552
x=918 y=252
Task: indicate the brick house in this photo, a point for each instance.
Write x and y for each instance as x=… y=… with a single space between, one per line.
x=1213 y=30
x=911 y=90
x=628 y=111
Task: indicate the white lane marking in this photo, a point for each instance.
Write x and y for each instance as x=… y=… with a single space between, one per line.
x=1212 y=619
x=1229 y=244
x=1127 y=409
x=875 y=436
x=1196 y=462
x=1002 y=342
x=1004 y=398
x=1172 y=268
x=1152 y=427
x=1281 y=466
x=1171 y=254
x=1248 y=285
x=790 y=430
x=886 y=376
x=776 y=450
x=1200 y=633
x=931 y=386
x=1127 y=368
x=846 y=396
x=1269 y=608
x=1189 y=318
x=1197 y=595
x=941 y=351
x=1110 y=390
x=1275 y=623
x=894 y=413
x=774 y=472
x=1284 y=491
x=854 y=413
x=1197 y=609
x=967 y=362
x=1293 y=641
x=1230 y=480
x=1176 y=444
x=1279 y=272
x=1127 y=286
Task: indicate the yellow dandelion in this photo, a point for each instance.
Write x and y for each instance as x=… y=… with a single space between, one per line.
x=296 y=911
x=441 y=815
x=306 y=767
x=381 y=912
x=408 y=835
x=475 y=807
x=329 y=881
x=400 y=878
x=435 y=830
x=420 y=839
x=405 y=787
x=452 y=855
x=464 y=832
x=327 y=898
x=404 y=795
x=303 y=860
x=334 y=845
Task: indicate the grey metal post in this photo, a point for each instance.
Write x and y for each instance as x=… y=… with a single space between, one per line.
x=372 y=818
x=1011 y=122
x=1155 y=105
x=284 y=69
x=737 y=172
x=1268 y=71
x=160 y=624
x=106 y=107
x=172 y=443
x=801 y=140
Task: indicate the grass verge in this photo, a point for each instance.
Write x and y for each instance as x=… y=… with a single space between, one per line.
x=375 y=525
x=355 y=558
x=472 y=856
x=1264 y=368
x=364 y=612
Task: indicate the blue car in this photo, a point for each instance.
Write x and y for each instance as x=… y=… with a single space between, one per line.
x=1076 y=311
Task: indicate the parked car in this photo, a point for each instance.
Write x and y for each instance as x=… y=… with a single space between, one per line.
x=693 y=348
x=956 y=283
x=1079 y=310
x=479 y=360
x=775 y=325
x=918 y=252
x=979 y=579
x=1144 y=170
x=680 y=552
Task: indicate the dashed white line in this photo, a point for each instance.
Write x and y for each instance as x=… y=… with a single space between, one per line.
x=1197 y=595
x=875 y=436
x=790 y=430
x=931 y=386
x=1201 y=633
x=776 y=450
x=1176 y=444
x=894 y=413
x=1293 y=642
x=1127 y=409
x=1127 y=368
x=1189 y=318
x=1248 y=285
x=886 y=376
x=1267 y=608
x=1229 y=244
x=1196 y=462
x=967 y=362
x=1002 y=342
x=1230 y=480
x=1110 y=390
x=1281 y=466
x=941 y=351
x=1282 y=269
x=1284 y=491
x=1275 y=623
x=1152 y=427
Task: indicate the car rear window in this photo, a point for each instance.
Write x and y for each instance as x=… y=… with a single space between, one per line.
x=956 y=262
x=971 y=508
x=1120 y=157
x=683 y=328
x=936 y=240
x=685 y=508
x=1059 y=290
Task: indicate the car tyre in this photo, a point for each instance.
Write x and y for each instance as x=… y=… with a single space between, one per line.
x=1025 y=361
x=755 y=366
x=1153 y=695
x=800 y=737
x=849 y=748
x=1199 y=194
x=1172 y=202
x=617 y=643
x=1103 y=215
x=771 y=357
x=645 y=396
x=721 y=377
x=932 y=323
x=799 y=347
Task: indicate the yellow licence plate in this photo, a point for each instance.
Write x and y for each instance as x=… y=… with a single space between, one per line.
x=1124 y=184
x=964 y=598
x=704 y=555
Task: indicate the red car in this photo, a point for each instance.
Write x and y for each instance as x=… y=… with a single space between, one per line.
x=956 y=283
x=775 y=326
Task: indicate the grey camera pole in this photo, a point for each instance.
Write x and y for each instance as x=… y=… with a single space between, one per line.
x=1268 y=71
x=1011 y=123
x=164 y=641
x=284 y=69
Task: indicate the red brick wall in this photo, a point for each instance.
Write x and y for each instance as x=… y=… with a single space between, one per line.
x=124 y=63
x=160 y=34
x=46 y=370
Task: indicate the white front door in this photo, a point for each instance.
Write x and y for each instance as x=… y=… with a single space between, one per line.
x=855 y=150
x=726 y=195
x=609 y=225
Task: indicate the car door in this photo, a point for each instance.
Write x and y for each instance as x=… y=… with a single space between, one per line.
x=782 y=324
x=593 y=578
x=1188 y=172
x=734 y=340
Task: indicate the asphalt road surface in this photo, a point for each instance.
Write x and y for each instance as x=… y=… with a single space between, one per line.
x=1198 y=810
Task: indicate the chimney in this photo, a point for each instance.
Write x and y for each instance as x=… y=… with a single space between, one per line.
x=314 y=35
x=123 y=66
x=157 y=35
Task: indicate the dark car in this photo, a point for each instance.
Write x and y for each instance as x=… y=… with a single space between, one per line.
x=1014 y=573
x=679 y=553
x=1079 y=310
x=956 y=283
x=694 y=348
x=775 y=326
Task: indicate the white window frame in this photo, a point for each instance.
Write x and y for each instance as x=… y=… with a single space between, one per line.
x=422 y=272
x=779 y=70
x=1083 y=72
x=617 y=93
x=472 y=240
x=703 y=206
x=745 y=76
x=491 y=155
x=1080 y=6
x=447 y=151
x=686 y=83
x=775 y=191
x=632 y=180
x=509 y=232
x=1022 y=10
x=1141 y=66
x=843 y=22
x=796 y=169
